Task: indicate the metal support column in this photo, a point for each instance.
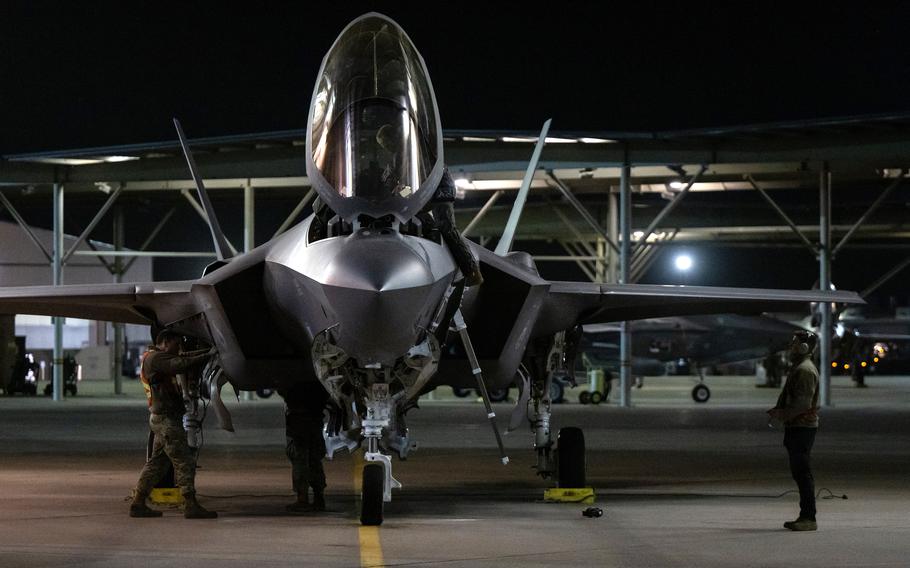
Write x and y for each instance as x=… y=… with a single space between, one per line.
x=625 y=256
x=613 y=231
x=57 y=266
x=824 y=260
x=249 y=217
x=117 y=354
x=249 y=233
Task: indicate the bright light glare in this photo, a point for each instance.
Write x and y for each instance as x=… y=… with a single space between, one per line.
x=683 y=262
x=463 y=183
x=677 y=185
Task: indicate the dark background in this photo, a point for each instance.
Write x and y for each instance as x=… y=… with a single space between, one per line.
x=85 y=74
x=79 y=74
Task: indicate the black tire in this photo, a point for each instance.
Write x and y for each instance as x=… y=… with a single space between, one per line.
x=701 y=393
x=584 y=397
x=498 y=395
x=557 y=391
x=571 y=461
x=460 y=392
x=596 y=397
x=371 y=494
x=264 y=392
x=608 y=386
x=71 y=390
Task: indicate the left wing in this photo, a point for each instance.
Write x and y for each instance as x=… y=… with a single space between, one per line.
x=152 y=303
x=576 y=303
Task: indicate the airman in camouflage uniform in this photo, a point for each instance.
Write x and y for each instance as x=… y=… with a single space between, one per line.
x=305 y=403
x=160 y=366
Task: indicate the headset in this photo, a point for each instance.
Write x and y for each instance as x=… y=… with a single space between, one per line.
x=805 y=342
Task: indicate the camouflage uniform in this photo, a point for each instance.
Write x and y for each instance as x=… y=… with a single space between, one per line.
x=305 y=449
x=443 y=220
x=158 y=376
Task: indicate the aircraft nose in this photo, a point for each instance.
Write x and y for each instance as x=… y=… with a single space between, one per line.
x=377 y=263
x=383 y=293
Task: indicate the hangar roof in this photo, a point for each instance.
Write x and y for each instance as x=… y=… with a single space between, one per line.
x=854 y=147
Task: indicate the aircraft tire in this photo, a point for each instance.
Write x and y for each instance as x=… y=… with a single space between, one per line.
x=460 y=392
x=498 y=395
x=701 y=393
x=557 y=391
x=70 y=389
x=584 y=397
x=371 y=494
x=571 y=462
x=596 y=398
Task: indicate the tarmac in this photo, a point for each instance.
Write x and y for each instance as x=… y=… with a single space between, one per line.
x=680 y=484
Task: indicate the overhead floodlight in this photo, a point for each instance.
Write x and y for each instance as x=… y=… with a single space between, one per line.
x=677 y=185
x=552 y=140
x=638 y=235
x=114 y=159
x=683 y=262
x=587 y=140
x=463 y=183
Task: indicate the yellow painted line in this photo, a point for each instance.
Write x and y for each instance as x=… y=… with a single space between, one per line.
x=370 y=544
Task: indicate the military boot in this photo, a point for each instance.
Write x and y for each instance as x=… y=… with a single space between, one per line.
x=301 y=505
x=193 y=510
x=139 y=509
x=801 y=524
x=318 y=500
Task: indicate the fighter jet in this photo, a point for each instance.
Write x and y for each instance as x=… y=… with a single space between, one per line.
x=701 y=341
x=365 y=298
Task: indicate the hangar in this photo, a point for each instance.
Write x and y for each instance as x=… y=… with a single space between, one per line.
x=603 y=204
x=612 y=202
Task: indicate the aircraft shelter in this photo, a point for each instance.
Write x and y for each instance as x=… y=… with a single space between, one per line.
x=603 y=205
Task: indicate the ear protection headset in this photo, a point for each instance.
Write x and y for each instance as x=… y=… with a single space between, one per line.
x=805 y=342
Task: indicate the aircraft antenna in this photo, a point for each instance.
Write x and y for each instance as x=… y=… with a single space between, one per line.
x=508 y=235
x=221 y=245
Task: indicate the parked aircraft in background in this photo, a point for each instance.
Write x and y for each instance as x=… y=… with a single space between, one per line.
x=367 y=300
x=869 y=342
x=699 y=342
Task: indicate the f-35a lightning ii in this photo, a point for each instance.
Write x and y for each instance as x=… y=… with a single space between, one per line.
x=369 y=301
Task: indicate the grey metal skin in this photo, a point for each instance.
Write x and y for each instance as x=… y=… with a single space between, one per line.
x=376 y=291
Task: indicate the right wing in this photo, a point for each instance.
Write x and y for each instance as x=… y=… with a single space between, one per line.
x=577 y=303
x=152 y=303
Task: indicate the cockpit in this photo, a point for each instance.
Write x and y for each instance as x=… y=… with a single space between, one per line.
x=374 y=146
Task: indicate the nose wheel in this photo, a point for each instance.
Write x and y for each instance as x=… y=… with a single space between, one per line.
x=372 y=490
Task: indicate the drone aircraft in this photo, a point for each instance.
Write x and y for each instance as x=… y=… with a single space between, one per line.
x=367 y=299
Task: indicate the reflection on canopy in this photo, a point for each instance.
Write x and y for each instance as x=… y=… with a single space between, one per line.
x=374 y=133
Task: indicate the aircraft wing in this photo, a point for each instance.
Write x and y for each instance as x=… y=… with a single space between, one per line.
x=572 y=303
x=157 y=302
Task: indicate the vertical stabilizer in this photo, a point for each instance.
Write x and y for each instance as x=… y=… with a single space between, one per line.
x=508 y=235
x=221 y=245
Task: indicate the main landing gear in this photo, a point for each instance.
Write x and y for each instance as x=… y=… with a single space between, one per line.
x=566 y=461
x=701 y=393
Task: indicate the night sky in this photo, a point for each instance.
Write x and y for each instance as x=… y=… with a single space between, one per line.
x=82 y=74
x=79 y=74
